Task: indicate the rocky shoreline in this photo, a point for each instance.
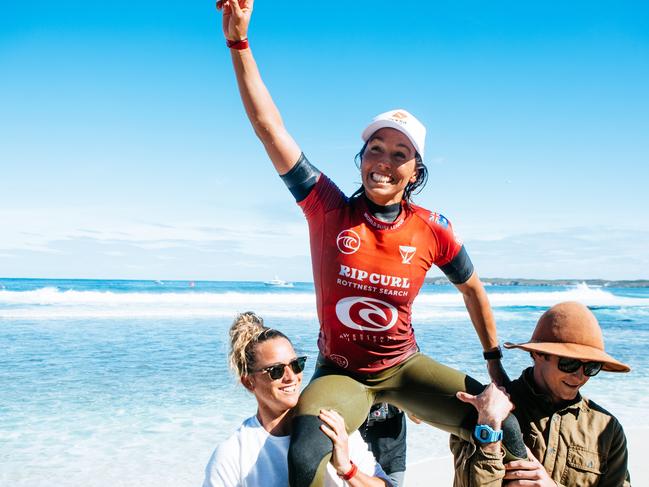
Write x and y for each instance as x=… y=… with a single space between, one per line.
x=498 y=281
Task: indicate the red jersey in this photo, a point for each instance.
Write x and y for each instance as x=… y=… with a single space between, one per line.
x=367 y=274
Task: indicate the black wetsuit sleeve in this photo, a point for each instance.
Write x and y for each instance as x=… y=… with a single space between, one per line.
x=301 y=179
x=460 y=268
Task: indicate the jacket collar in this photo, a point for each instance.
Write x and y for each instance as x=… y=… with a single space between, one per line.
x=544 y=403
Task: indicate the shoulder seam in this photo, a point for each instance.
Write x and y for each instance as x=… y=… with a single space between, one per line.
x=593 y=406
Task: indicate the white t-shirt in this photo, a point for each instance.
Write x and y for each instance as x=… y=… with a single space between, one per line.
x=252 y=457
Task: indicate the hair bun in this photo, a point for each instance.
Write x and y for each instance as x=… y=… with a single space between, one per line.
x=246 y=332
x=245 y=329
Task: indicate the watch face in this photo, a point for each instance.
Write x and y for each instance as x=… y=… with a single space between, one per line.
x=485 y=434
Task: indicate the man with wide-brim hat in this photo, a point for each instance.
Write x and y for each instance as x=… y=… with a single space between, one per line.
x=571 y=440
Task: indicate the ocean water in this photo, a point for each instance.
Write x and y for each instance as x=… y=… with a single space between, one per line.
x=111 y=383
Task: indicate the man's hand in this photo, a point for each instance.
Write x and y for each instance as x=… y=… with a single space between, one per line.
x=493 y=405
x=334 y=428
x=528 y=473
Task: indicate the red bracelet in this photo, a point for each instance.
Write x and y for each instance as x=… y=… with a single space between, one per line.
x=349 y=475
x=239 y=45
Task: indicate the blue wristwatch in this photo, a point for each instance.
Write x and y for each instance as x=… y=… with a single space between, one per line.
x=486 y=434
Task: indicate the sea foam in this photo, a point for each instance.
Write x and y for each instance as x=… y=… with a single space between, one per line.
x=53 y=303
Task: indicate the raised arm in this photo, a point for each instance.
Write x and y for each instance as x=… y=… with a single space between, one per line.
x=475 y=463
x=260 y=108
x=477 y=304
x=334 y=427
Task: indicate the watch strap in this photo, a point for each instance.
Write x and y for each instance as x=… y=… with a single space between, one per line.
x=493 y=354
x=484 y=433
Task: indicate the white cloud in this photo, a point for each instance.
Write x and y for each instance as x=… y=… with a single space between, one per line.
x=114 y=253
x=578 y=252
x=93 y=242
x=37 y=229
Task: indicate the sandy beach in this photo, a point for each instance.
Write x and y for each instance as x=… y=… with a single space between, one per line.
x=439 y=471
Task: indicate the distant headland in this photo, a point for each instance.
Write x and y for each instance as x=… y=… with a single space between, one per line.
x=499 y=281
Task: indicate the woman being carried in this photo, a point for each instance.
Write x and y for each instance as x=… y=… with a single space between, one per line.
x=370 y=254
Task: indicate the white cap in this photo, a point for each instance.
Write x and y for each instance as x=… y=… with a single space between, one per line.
x=402 y=121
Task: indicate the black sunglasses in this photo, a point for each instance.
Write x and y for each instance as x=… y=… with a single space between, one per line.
x=277 y=371
x=570 y=365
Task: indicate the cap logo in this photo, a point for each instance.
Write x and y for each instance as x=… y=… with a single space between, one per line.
x=399 y=115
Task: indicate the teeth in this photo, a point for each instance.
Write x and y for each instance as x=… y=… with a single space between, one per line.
x=378 y=178
x=288 y=389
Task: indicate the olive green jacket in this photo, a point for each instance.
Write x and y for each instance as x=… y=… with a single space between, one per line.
x=580 y=445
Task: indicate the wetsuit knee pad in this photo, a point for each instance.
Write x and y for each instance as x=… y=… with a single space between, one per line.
x=309 y=445
x=513 y=440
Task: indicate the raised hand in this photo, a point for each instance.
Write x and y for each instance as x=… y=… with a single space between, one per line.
x=236 y=18
x=334 y=428
x=528 y=473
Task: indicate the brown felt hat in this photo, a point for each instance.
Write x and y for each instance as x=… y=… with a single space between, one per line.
x=571 y=330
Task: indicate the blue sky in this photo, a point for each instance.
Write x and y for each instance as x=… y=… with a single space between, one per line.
x=125 y=152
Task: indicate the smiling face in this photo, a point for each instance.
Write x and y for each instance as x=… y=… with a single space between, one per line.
x=387 y=166
x=560 y=386
x=274 y=397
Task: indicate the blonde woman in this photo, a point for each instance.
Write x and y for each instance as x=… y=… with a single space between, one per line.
x=256 y=454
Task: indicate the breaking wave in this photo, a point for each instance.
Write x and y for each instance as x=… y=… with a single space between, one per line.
x=590 y=296
x=52 y=303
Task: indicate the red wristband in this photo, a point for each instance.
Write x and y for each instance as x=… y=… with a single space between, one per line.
x=349 y=475
x=239 y=45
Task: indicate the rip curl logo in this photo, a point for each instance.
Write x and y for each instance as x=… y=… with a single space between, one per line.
x=407 y=253
x=366 y=314
x=339 y=360
x=348 y=241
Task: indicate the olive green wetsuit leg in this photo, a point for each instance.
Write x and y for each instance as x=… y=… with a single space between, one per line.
x=310 y=449
x=427 y=388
